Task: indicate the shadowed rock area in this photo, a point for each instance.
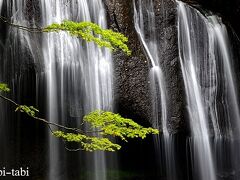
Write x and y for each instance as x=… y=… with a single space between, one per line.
x=229 y=9
x=132 y=73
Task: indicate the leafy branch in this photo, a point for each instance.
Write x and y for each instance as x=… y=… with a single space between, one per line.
x=92 y=32
x=88 y=31
x=114 y=125
x=108 y=123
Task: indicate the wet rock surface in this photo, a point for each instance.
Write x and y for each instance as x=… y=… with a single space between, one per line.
x=166 y=19
x=132 y=90
x=132 y=73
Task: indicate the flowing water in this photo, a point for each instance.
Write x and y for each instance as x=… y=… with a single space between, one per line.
x=145 y=25
x=76 y=76
x=147 y=35
x=79 y=74
x=70 y=78
x=209 y=78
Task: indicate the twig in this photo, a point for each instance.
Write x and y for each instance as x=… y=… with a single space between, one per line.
x=76 y=130
x=33 y=30
x=70 y=149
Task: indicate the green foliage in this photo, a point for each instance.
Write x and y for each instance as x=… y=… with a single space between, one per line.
x=108 y=124
x=88 y=143
x=4 y=87
x=92 y=33
x=30 y=110
x=115 y=125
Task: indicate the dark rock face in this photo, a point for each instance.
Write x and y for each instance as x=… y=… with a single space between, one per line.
x=132 y=73
x=228 y=9
x=166 y=14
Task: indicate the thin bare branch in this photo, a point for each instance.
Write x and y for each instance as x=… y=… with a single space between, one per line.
x=29 y=29
x=76 y=130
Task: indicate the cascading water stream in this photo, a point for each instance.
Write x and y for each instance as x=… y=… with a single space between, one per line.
x=227 y=141
x=145 y=25
x=150 y=46
x=202 y=154
x=1 y=2
x=209 y=79
x=77 y=76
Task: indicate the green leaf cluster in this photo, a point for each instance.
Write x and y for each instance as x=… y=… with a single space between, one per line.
x=92 y=33
x=115 y=125
x=30 y=110
x=4 y=88
x=106 y=123
x=88 y=143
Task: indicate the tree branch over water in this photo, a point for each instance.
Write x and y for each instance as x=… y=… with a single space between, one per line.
x=87 y=31
x=107 y=123
x=29 y=29
x=102 y=124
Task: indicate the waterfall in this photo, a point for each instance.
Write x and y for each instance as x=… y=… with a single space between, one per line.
x=145 y=25
x=76 y=76
x=79 y=75
x=209 y=78
x=202 y=154
x=1 y=2
x=66 y=78
x=147 y=35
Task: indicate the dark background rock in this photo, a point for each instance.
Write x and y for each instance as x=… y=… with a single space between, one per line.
x=228 y=9
x=166 y=19
x=132 y=73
